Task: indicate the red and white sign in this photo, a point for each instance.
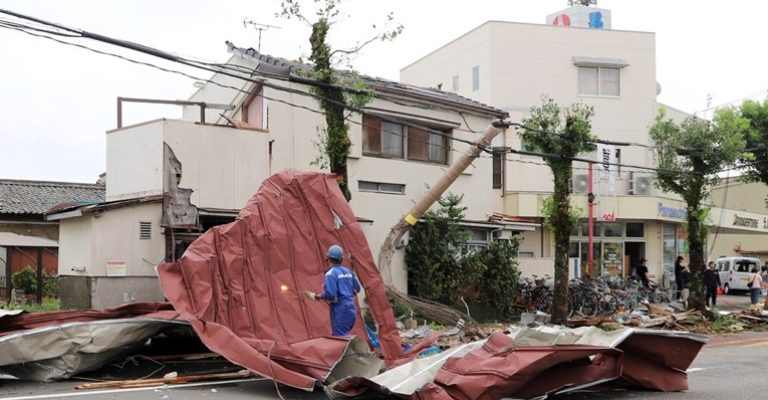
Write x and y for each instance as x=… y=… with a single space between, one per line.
x=562 y=19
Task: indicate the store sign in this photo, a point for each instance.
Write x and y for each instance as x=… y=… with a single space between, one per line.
x=607 y=175
x=746 y=222
x=671 y=212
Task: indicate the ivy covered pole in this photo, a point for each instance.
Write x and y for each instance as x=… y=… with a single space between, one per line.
x=331 y=100
x=546 y=131
x=690 y=155
x=335 y=93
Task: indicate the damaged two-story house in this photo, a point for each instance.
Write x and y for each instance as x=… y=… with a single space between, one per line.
x=169 y=180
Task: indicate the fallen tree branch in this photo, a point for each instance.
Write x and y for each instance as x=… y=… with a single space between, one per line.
x=434 y=311
x=164 y=381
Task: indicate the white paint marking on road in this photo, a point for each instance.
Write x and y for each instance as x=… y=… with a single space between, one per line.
x=691 y=370
x=112 y=391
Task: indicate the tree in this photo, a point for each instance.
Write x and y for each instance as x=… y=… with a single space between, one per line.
x=335 y=92
x=431 y=254
x=546 y=131
x=441 y=268
x=756 y=138
x=689 y=156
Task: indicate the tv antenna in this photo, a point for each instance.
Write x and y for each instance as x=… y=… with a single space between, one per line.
x=582 y=2
x=259 y=27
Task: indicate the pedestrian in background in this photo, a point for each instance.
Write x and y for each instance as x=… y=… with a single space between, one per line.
x=642 y=272
x=712 y=283
x=686 y=291
x=679 y=277
x=755 y=286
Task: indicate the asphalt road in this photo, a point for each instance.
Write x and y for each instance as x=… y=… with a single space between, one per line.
x=729 y=367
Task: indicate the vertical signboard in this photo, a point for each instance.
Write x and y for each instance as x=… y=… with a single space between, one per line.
x=607 y=175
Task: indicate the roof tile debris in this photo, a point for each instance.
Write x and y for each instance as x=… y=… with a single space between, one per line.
x=36 y=197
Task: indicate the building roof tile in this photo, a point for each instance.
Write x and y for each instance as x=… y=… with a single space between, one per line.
x=35 y=197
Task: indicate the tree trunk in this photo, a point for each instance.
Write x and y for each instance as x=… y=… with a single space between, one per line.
x=331 y=99
x=562 y=228
x=696 y=228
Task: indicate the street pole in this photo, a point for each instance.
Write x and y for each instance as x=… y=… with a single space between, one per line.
x=590 y=225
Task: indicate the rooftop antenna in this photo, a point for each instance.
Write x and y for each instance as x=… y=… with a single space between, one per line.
x=259 y=27
x=582 y=2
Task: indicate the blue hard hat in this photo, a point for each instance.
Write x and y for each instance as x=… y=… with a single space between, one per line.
x=335 y=252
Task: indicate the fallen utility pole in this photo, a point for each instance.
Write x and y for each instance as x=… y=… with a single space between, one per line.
x=433 y=194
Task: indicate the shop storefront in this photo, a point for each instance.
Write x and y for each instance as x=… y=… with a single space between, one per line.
x=618 y=247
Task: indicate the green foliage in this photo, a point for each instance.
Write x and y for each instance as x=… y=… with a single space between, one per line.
x=546 y=130
x=548 y=211
x=25 y=280
x=50 y=285
x=431 y=254
x=690 y=155
x=756 y=138
x=334 y=92
x=498 y=283
x=441 y=269
x=692 y=152
x=49 y=304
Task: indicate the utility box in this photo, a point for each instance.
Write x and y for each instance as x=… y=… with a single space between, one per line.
x=581 y=17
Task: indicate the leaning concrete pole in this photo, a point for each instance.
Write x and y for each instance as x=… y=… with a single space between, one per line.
x=433 y=194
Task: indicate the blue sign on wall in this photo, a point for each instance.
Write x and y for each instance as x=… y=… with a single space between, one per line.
x=596 y=20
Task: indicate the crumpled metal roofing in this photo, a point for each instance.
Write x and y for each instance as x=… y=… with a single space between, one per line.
x=241 y=285
x=58 y=345
x=536 y=363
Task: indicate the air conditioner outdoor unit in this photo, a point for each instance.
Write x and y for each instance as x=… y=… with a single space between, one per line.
x=580 y=184
x=640 y=184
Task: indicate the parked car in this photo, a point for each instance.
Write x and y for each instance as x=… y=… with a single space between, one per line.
x=735 y=271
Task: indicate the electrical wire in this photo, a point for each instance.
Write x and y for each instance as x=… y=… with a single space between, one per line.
x=262 y=82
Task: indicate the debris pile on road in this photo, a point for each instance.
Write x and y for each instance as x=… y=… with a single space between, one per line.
x=240 y=287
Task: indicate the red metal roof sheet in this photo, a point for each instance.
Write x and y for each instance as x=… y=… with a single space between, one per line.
x=241 y=285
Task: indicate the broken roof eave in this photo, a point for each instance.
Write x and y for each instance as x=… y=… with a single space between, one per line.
x=79 y=211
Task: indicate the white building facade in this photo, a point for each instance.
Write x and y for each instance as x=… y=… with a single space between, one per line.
x=512 y=65
x=402 y=142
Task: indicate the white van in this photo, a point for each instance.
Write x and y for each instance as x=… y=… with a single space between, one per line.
x=735 y=271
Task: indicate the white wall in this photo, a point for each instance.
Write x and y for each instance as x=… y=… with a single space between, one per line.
x=76 y=246
x=224 y=166
x=135 y=161
x=521 y=62
x=89 y=241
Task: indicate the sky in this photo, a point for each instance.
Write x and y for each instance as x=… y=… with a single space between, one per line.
x=57 y=101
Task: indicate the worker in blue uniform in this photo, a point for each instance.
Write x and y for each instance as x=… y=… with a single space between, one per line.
x=339 y=289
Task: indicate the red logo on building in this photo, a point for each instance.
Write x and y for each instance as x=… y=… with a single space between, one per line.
x=562 y=19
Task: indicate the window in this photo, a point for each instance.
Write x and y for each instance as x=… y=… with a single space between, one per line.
x=599 y=81
x=612 y=229
x=635 y=229
x=381 y=187
x=498 y=169
x=254 y=111
x=145 y=230
x=456 y=83
x=476 y=78
x=525 y=254
x=392 y=140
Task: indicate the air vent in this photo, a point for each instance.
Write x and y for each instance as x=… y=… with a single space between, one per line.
x=640 y=184
x=145 y=230
x=580 y=184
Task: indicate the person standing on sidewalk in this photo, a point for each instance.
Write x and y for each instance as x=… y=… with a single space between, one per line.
x=711 y=283
x=679 y=277
x=755 y=286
